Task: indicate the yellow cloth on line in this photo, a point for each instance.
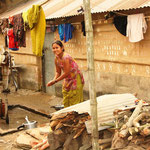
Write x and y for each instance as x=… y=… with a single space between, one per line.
x=35 y=18
x=38 y=34
x=73 y=97
x=31 y=16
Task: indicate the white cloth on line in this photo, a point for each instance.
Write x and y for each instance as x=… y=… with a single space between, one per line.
x=136 y=26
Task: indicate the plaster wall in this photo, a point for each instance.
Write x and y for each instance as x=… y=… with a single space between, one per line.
x=29 y=65
x=120 y=66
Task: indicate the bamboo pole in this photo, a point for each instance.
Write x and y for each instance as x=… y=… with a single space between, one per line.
x=91 y=73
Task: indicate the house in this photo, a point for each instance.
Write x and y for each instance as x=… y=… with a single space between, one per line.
x=121 y=66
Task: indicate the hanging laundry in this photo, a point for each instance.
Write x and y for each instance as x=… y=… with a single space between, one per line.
x=3 y=29
x=18 y=29
x=120 y=23
x=136 y=26
x=38 y=34
x=68 y=28
x=31 y=16
x=25 y=20
x=11 y=20
x=53 y=28
x=65 y=31
x=4 y=26
x=34 y=18
x=13 y=45
x=83 y=28
x=61 y=31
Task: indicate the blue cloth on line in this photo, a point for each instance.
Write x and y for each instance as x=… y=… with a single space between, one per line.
x=65 y=31
x=61 y=31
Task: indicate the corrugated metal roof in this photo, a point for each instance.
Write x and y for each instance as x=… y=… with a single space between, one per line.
x=65 y=8
x=109 y=5
x=20 y=8
x=106 y=104
x=98 y=6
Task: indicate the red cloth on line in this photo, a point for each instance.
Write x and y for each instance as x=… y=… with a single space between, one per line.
x=12 y=44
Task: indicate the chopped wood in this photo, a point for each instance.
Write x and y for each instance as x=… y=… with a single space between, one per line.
x=116 y=121
x=68 y=118
x=138 y=118
x=58 y=131
x=53 y=124
x=40 y=144
x=118 y=142
x=136 y=129
x=116 y=111
x=133 y=130
x=79 y=133
x=134 y=120
x=58 y=116
x=140 y=140
x=106 y=145
x=43 y=147
x=59 y=125
x=130 y=138
x=145 y=131
x=85 y=147
x=70 y=123
x=136 y=112
x=103 y=141
x=72 y=126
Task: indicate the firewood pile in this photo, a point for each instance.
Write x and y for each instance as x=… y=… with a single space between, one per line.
x=132 y=127
x=67 y=129
x=130 y=130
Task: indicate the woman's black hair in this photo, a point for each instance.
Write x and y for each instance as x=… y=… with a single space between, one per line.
x=59 y=43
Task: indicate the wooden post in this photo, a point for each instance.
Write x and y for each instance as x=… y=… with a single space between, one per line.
x=91 y=73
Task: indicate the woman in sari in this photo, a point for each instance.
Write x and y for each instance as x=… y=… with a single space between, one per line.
x=67 y=69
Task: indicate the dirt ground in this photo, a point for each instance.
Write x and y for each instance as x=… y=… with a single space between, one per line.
x=35 y=100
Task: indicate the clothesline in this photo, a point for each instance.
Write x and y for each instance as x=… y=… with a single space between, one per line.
x=127 y=14
x=44 y=3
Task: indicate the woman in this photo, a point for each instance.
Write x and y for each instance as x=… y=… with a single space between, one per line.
x=72 y=88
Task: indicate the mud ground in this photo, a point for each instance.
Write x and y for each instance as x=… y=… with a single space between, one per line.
x=35 y=100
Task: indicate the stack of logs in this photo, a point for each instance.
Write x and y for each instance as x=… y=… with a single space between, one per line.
x=67 y=128
x=132 y=126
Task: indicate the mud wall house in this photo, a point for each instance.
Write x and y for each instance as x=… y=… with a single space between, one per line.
x=30 y=70
x=120 y=66
x=35 y=71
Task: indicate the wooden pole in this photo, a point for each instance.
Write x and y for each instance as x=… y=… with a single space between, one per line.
x=91 y=72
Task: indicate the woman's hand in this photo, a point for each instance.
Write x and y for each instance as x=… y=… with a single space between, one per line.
x=50 y=83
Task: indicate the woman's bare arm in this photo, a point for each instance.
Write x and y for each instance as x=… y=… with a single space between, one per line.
x=57 y=74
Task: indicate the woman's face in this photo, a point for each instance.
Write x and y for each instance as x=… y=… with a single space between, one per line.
x=57 y=50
